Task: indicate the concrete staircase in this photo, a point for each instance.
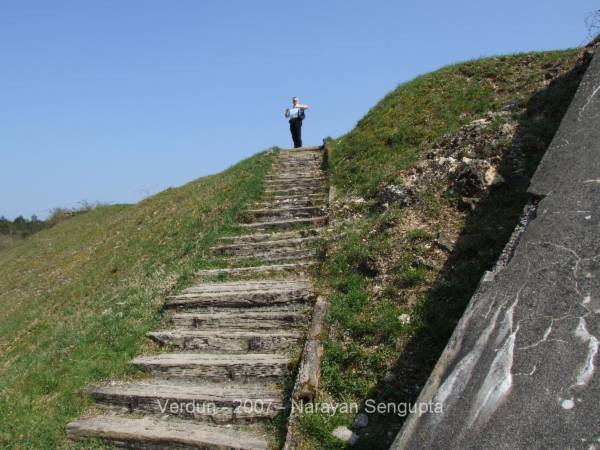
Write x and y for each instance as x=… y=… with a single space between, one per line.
x=218 y=384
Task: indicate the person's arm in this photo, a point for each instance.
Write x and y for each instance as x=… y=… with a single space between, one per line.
x=287 y=112
x=303 y=106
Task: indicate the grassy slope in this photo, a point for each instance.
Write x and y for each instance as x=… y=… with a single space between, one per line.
x=386 y=263
x=77 y=299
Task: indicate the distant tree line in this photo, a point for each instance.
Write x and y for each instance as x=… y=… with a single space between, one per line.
x=21 y=227
x=12 y=231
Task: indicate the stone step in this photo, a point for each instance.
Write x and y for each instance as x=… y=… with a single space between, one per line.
x=309 y=162
x=271 y=214
x=309 y=156
x=291 y=203
x=260 y=237
x=250 y=248
x=290 y=191
x=244 y=294
x=227 y=341
x=274 y=256
x=246 y=367
x=307 y=148
x=284 y=224
x=314 y=196
x=217 y=403
x=295 y=179
x=296 y=170
x=247 y=286
x=258 y=271
x=296 y=175
x=293 y=186
x=154 y=433
x=293 y=192
x=243 y=320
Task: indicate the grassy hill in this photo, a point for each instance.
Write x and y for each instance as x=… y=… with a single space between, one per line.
x=399 y=271
x=77 y=299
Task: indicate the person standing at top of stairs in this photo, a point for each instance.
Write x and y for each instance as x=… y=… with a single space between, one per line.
x=296 y=115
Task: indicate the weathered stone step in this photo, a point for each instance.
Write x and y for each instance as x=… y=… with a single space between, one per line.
x=217 y=403
x=294 y=268
x=293 y=186
x=153 y=433
x=319 y=201
x=284 y=224
x=294 y=190
x=216 y=367
x=282 y=204
x=248 y=286
x=313 y=164
x=275 y=255
x=296 y=180
x=259 y=237
x=306 y=148
x=227 y=341
x=296 y=175
x=250 y=248
x=270 y=214
x=308 y=156
x=246 y=294
x=315 y=196
x=296 y=170
x=243 y=319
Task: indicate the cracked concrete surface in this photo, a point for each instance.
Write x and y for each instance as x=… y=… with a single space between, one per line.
x=521 y=369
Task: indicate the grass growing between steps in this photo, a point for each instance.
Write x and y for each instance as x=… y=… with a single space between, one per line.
x=77 y=299
x=399 y=277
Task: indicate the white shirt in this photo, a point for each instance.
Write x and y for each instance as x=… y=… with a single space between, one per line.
x=294 y=113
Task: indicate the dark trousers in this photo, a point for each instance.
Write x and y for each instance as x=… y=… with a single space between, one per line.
x=296 y=130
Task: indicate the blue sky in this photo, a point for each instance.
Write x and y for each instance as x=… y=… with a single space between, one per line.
x=112 y=100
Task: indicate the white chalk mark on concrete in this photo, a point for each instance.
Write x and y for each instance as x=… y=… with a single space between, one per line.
x=589 y=367
x=497 y=383
x=589 y=100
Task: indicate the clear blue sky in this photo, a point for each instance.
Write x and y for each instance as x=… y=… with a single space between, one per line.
x=113 y=100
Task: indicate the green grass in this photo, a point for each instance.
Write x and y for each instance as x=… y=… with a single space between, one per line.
x=395 y=297
x=396 y=131
x=78 y=298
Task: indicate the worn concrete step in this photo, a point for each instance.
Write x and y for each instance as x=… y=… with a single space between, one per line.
x=292 y=202
x=227 y=341
x=295 y=180
x=245 y=367
x=258 y=271
x=152 y=433
x=278 y=235
x=280 y=204
x=271 y=214
x=309 y=163
x=248 y=286
x=217 y=403
x=306 y=148
x=275 y=256
x=296 y=170
x=243 y=320
x=246 y=294
x=271 y=235
x=251 y=248
x=297 y=175
x=314 y=196
x=308 y=156
x=294 y=189
x=284 y=224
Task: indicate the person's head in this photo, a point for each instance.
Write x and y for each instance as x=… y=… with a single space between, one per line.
x=295 y=100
